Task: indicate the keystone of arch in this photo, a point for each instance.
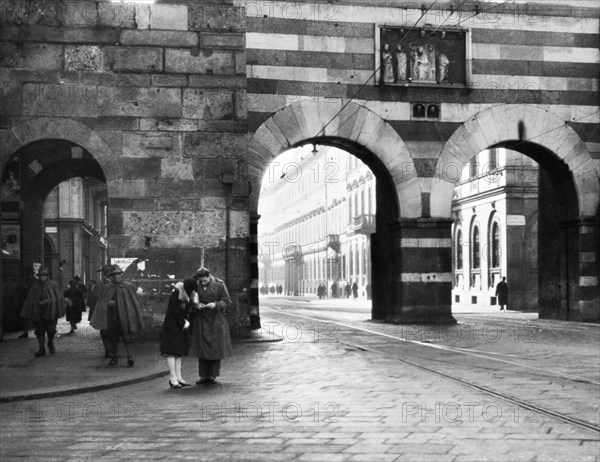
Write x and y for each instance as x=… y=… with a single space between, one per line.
x=44 y=128
x=307 y=120
x=501 y=123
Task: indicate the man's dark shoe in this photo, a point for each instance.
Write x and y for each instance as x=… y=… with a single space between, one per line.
x=51 y=348
x=40 y=352
x=24 y=335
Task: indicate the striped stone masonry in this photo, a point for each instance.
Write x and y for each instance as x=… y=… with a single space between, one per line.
x=586 y=303
x=423 y=264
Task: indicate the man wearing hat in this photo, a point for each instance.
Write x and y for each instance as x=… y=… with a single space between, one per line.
x=210 y=338
x=75 y=301
x=92 y=300
x=44 y=305
x=118 y=312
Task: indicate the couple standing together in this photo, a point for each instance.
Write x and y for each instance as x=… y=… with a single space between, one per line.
x=196 y=324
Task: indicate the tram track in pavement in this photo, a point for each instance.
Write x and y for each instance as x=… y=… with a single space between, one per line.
x=582 y=387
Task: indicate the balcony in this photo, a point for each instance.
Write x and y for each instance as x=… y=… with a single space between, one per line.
x=362 y=224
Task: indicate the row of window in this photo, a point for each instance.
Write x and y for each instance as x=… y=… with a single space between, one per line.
x=492 y=250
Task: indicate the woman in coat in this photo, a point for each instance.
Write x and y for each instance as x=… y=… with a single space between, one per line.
x=174 y=341
x=211 y=341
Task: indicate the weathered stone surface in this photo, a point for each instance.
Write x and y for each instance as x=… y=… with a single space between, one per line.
x=179 y=125
x=211 y=145
x=133 y=168
x=177 y=169
x=126 y=188
x=42 y=33
x=169 y=80
x=217 y=18
x=206 y=62
x=153 y=144
x=84 y=58
x=222 y=40
x=173 y=39
x=208 y=104
x=133 y=59
x=170 y=17
x=90 y=100
x=117 y=14
x=32 y=56
x=217 y=81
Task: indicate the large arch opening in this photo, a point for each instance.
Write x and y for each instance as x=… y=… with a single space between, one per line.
x=53 y=214
x=566 y=211
x=364 y=135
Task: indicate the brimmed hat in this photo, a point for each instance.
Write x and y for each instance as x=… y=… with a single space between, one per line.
x=115 y=269
x=77 y=278
x=43 y=270
x=106 y=269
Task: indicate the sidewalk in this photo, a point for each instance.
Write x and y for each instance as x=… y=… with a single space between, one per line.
x=77 y=366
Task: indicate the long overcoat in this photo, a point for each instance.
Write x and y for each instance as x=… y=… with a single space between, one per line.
x=502 y=293
x=174 y=340
x=50 y=291
x=210 y=338
x=128 y=307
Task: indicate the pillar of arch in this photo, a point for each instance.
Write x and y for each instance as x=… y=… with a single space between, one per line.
x=409 y=286
x=551 y=142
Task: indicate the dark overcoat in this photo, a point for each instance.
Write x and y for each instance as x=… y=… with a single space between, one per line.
x=50 y=291
x=76 y=294
x=210 y=338
x=128 y=307
x=94 y=295
x=174 y=340
x=502 y=293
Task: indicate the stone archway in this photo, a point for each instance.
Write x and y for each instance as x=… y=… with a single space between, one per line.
x=568 y=165
x=363 y=133
x=501 y=124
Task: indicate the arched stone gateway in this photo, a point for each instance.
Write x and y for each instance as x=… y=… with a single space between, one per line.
x=570 y=205
x=407 y=284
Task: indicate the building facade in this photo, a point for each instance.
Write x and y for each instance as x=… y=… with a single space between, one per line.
x=179 y=107
x=495 y=231
x=316 y=222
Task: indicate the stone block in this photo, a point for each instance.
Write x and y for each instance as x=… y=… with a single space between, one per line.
x=136 y=168
x=169 y=17
x=240 y=103
x=169 y=80
x=217 y=81
x=220 y=18
x=222 y=40
x=179 y=125
x=90 y=101
x=104 y=124
x=154 y=144
x=209 y=145
x=132 y=80
x=84 y=58
x=142 y=16
x=133 y=59
x=173 y=39
x=32 y=56
x=148 y=124
x=208 y=104
x=116 y=14
x=206 y=62
x=176 y=169
x=118 y=187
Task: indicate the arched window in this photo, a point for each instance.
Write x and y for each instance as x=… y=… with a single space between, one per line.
x=495 y=245
x=459 y=250
x=475 y=257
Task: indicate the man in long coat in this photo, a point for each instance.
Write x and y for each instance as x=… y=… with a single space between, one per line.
x=502 y=293
x=118 y=312
x=210 y=338
x=93 y=297
x=44 y=305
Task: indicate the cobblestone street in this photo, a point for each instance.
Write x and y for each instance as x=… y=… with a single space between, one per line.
x=308 y=397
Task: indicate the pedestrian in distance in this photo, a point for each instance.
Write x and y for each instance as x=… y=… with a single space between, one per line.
x=210 y=338
x=174 y=340
x=75 y=302
x=43 y=306
x=355 y=289
x=92 y=301
x=20 y=296
x=118 y=312
x=502 y=293
x=348 y=290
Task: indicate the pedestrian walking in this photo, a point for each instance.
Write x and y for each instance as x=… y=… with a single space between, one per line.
x=502 y=293
x=210 y=338
x=20 y=296
x=174 y=340
x=75 y=302
x=355 y=290
x=43 y=306
x=348 y=289
x=118 y=312
x=94 y=295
